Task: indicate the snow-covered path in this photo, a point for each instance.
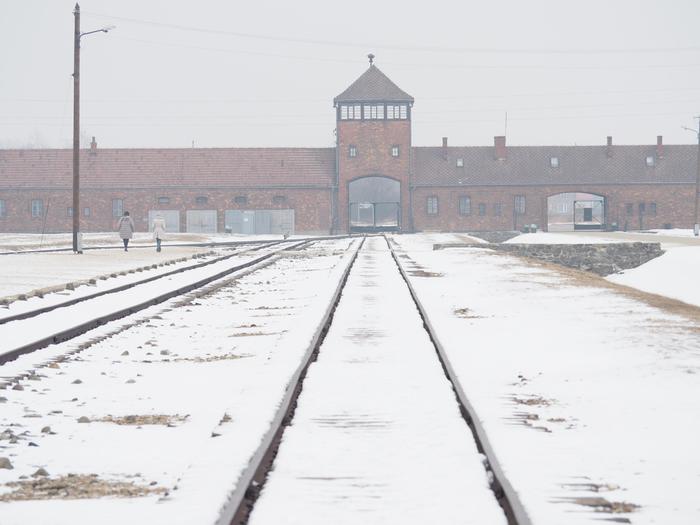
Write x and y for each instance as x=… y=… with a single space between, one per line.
x=377 y=436
x=171 y=402
x=589 y=397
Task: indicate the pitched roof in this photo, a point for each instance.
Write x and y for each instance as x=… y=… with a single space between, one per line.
x=148 y=168
x=373 y=86
x=530 y=165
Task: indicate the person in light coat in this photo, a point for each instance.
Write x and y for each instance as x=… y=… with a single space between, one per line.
x=158 y=230
x=126 y=229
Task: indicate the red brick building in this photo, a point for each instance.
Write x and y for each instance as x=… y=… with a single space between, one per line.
x=373 y=179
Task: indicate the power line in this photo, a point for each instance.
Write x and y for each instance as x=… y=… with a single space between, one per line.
x=403 y=47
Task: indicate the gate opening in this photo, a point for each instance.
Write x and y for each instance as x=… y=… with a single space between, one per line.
x=575 y=212
x=374 y=204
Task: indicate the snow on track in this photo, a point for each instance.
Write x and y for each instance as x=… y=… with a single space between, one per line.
x=377 y=436
x=220 y=362
x=588 y=396
x=25 y=332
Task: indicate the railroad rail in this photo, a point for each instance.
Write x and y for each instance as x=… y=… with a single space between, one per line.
x=83 y=326
x=241 y=502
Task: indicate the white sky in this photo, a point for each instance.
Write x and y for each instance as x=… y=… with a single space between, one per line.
x=567 y=72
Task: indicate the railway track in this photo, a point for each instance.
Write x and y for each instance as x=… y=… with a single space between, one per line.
x=30 y=331
x=275 y=484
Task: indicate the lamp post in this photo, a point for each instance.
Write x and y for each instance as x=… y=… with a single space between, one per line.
x=696 y=225
x=77 y=35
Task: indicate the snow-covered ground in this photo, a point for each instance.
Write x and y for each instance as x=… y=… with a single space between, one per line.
x=23 y=273
x=590 y=397
x=169 y=404
x=377 y=436
x=561 y=238
x=675 y=274
x=10 y=242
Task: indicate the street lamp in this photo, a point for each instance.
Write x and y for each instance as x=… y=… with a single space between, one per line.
x=696 y=226
x=76 y=123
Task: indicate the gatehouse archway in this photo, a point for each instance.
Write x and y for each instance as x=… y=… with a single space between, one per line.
x=374 y=204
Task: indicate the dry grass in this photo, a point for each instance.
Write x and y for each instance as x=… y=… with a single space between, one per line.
x=143 y=419
x=75 y=486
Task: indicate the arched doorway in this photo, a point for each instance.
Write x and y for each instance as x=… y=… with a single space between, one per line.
x=575 y=211
x=374 y=204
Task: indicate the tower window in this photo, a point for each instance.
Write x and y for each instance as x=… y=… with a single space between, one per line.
x=396 y=112
x=394 y=151
x=352 y=151
x=432 y=205
x=343 y=112
x=350 y=112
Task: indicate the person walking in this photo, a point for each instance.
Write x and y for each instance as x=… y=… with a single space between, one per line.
x=158 y=230
x=126 y=229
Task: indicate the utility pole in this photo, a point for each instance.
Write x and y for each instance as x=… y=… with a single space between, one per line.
x=76 y=130
x=696 y=227
x=77 y=35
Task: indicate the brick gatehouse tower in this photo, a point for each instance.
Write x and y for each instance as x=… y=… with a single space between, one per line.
x=373 y=151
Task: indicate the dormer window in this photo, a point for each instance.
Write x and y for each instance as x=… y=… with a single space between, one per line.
x=554 y=162
x=651 y=161
x=460 y=162
x=352 y=151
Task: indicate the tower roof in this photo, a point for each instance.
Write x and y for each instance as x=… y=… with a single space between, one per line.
x=373 y=86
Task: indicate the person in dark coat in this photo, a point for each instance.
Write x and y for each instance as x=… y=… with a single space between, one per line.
x=126 y=229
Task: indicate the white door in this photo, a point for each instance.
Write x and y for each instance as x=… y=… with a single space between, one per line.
x=201 y=221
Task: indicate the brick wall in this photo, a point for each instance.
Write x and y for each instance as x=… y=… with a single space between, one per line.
x=674 y=204
x=311 y=207
x=373 y=140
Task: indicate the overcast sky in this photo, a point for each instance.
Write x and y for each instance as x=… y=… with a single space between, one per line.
x=261 y=73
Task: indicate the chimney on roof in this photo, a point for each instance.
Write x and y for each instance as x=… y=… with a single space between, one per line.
x=609 y=148
x=659 y=146
x=499 y=144
x=93 y=147
x=444 y=148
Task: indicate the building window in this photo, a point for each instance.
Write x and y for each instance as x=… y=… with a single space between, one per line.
x=350 y=112
x=519 y=203
x=396 y=112
x=652 y=209
x=629 y=208
x=394 y=151
x=642 y=208
x=432 y=205
x=201 y=199
x=460 y=162
x=352 y=151
x=240 y=199
x=3 y=209
x=497 y=209
x=343 y=112
x=86 y=212
x=69 y=211
x=117 y=207
x=465 y=205
x=482 y=209
x=554 y=162
x=651 y=161
x=163 y=200
x=373 y=111
x=279 y=199
x=37 y=208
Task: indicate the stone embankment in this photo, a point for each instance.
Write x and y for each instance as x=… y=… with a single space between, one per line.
x=601 y=259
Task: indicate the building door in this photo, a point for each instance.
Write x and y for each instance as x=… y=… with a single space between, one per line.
x=201 y=221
